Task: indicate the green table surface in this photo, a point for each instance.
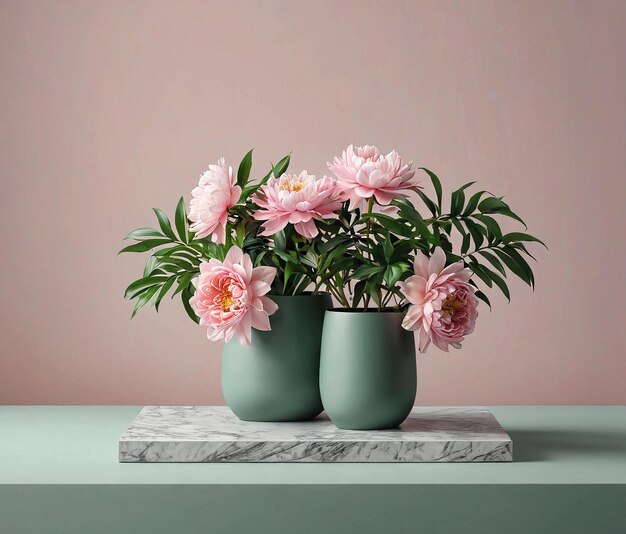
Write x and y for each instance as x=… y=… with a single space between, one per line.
x=59 y=474
x=78 y=445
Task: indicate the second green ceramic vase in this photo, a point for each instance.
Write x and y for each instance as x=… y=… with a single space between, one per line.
x=368 y=375
x=276 y=378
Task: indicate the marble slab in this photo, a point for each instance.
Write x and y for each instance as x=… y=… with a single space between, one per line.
x=215 y=434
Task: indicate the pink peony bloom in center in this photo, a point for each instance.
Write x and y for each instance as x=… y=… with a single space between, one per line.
x=298 y=200
x=215 y=194
x=363 y=172
x=229 y=297
x=443 y=304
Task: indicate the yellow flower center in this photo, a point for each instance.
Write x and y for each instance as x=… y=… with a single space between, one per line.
x=292 y=185
x=226 y=300
x=450 y=304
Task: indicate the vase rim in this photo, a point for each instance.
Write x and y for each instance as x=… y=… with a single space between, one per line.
x=361 y=311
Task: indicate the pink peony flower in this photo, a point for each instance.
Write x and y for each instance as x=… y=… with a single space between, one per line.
x=363 y=172
x=298 y=200
x=215 y=194
x=443 y=305
x=229 y=297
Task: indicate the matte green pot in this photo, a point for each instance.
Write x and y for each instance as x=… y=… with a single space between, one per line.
x=368 y=374
x=276 y=378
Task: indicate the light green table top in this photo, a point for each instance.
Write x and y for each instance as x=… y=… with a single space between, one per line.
x=78 y=445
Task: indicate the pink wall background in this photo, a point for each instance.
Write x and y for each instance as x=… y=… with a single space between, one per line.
x=110 y=108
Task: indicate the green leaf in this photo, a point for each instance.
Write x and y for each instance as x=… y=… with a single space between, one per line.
x=329 y=258
x=258 y=260
x=141 y=283
x=151 y=264
x=446 y=226
x=281 y=166
x=366 y=271
x=304 y=283
x=493 y=260
x=491 y=204
x=374 y=291
x=250 y=189
x=185 y=296
x=310 y=258
x=429 y=203
x=521 y=262
x=458 y=199
x=144 y=246
x=359 y=289
x=140 y=233
x=287 y=258
x=387 y=249
x=407 y=211
x=497 y=280
x=514 y=266
x=289 y=269
x=166 y=252
x=280 y=241
x=180 y=219
x=466 y=244
x=394 y=272
x=509 y=213
x=389 y=223
x=457 y=224
x=520 y=246
x=167 y=267
x=179 y=263
x=437 y=185
x=243 y=172
x=478 y=270
x=240 y=233
x=452 y=258
x=492 y=225
x=182 y=255
x=164 y=224
x=144 y=299
x=479 y=294
x=501 y=284
x=183 y=283
x=520 y=236
x=473 y=203
x=475 y=232
x=164 y=289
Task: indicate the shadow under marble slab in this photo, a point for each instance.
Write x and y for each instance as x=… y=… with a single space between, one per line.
x=215 y=434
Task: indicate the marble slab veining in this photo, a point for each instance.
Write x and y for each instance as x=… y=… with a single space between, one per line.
x=215 y=434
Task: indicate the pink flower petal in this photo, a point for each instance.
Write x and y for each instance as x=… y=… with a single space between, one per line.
x=228 y=297
x=297 y=200
x=264 y=274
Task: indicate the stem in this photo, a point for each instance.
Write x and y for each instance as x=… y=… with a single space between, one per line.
x=317 y=286
x=336 y=292
x=368 y=225
x=386 y=298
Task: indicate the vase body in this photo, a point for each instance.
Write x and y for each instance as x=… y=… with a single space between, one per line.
x=368 y=375
x=276 y=378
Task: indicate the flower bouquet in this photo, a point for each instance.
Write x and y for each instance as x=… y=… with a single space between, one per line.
x=255 y=262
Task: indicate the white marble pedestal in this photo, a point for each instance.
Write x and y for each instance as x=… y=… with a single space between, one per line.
x=215 y=434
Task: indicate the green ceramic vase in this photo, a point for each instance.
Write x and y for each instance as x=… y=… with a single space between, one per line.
x=368 y=375
x=276 y=378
